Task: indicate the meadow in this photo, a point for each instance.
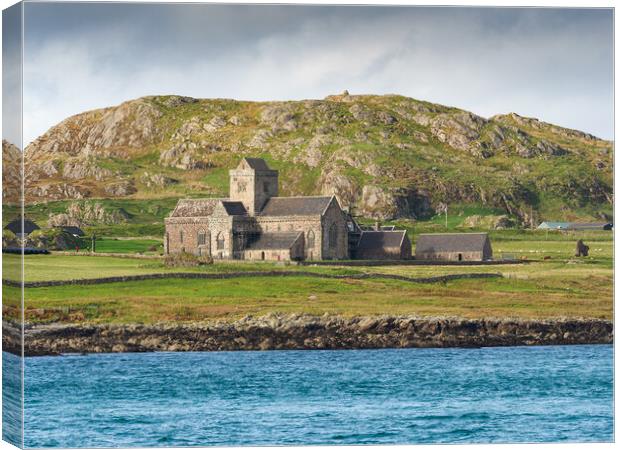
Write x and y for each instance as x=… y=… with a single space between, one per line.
x=552 y=284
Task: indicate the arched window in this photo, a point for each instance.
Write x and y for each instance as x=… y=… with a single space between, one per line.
x=202 y=237
x=220 y=241
x=181 y=236
x=333 y=236
x=310 y=239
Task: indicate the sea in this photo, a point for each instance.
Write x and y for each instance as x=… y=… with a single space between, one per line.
x=314 y=397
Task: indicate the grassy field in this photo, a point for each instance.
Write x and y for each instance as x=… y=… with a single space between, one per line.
x=116 y=245
x=183 y=300
x=560 y=286
x=67 y=267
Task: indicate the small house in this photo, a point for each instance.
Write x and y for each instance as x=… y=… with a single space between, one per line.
x=554 y=226
x=454 y=247
x=383 y=245
x=15 y=226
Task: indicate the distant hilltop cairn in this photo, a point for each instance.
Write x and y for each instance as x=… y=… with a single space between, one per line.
x=383 y=156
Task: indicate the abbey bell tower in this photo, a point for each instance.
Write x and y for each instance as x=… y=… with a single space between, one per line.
x=253 y=183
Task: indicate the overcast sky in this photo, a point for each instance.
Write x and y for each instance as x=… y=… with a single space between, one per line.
x=554 y=64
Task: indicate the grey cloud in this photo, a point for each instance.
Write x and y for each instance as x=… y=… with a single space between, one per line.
x=550 y=63
x=11 y=75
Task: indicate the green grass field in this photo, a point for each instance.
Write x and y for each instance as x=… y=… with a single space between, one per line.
x=196 y=300
x=119 y=245
x=559 y=286
x=81 y=266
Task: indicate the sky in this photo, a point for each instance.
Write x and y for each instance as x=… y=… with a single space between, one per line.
x=553 y=64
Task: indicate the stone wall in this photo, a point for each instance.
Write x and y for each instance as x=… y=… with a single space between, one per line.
x=385 y=253
x=306 y=224
x=221 y=237
x=334 y=216
x=229 y=275
x=268 y=255
x=450 y=256
x=190 y=228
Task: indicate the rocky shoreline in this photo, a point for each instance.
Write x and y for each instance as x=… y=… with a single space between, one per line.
x=288 y=332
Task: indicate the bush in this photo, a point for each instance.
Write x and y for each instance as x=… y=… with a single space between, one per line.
x=185 y=259
x=53 y=239
x=153 y=248
x=9 y=239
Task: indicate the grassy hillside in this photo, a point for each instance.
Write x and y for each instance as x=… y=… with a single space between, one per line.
x=383 y=156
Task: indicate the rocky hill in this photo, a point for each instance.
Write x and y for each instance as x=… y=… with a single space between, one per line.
x=11 y=170
x=383 y=156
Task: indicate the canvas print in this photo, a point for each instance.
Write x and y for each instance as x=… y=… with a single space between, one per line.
x=247 y=225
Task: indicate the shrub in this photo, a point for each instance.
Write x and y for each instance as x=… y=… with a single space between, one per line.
x=53 y=239
x=185 y=259
x=9 y=239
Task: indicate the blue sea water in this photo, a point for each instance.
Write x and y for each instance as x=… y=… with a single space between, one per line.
x=11 y=399
x=512 y=394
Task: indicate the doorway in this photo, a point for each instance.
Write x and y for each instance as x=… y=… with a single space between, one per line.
x=460 y=257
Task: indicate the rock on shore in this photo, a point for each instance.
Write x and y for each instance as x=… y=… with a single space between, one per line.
x=294 y=331
x=281 y=332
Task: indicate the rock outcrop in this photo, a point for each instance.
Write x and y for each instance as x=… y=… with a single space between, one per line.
x=11 y=172
x=287 y=332
x=87 y=213
x=491 y=222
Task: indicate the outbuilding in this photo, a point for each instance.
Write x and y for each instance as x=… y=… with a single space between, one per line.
x=554 y=225
x=383 y=245
x=15 y=226
x=454 y=247
x=576 y=226
x=594 y=226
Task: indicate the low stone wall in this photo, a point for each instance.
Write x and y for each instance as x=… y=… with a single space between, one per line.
x=116 y=255
x=287 y=332
x=410 y=262
x=228 y=275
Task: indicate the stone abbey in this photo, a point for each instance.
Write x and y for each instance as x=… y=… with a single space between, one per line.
x=255 y=224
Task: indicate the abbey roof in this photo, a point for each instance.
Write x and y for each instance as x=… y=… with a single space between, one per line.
x=295 y=206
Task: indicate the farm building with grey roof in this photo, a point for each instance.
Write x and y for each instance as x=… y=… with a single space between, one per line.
x=453 y=247
x=15 y=226
x=382 y=244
